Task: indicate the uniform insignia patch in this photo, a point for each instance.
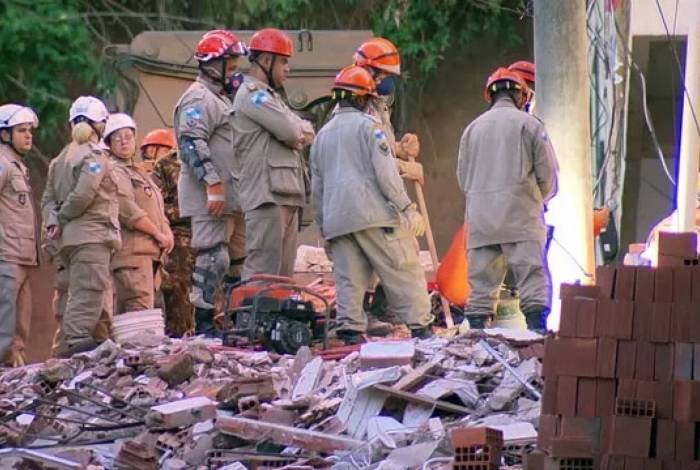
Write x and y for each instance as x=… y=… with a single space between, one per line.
x=148 y=190
x=384 y=147
x=545 y=137
x=23 y=198
x=192 y=115
x=379 y=134
x=259 y=97
x=94 y=168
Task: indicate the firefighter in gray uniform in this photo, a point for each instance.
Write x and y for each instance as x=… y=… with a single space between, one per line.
x=18 y=231
x=208 y=185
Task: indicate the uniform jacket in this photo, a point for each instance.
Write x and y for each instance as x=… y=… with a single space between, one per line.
x=355 y=184
x=166 y=173
x=138 y=197
x=507 y=170
x=18 y=226
x=204 y=115
x=265 y=133
x=81 y=197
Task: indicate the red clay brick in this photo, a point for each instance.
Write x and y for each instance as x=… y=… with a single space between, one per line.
x=696 y=285
x=663 y=362
x=585 y=398
x=664 y=439
x=630 y=436
x=575 y=427
x=683 y=361
x=682 y=284
x=641 y=330
x=564 y=447
x=548 y=429
x=605 y=280
x=586 y=313
x=605 y=397
x=685 y=441
x=694 y=323
x=624 y=283
x=686 y=400
x=644 y=365
x=678 y=244
x=586 y=291
x=644 y=284
x=696 y=362
x=681 y=315
x=567 y=321
x=652 y=464
x=533 y=461
x=623 y=319
x=666 y=261
x=661 y=323
x=645 y=390
x=606 y=358
x=549 y=396
x=627 y=388
x=634 y=463
x=612 y=462
x=663 y=395
x=671 y=465
x=576 y=357
x=626 y=359
x=663 y=284
x=549 y=364
x=605 y=319
x=567 y=388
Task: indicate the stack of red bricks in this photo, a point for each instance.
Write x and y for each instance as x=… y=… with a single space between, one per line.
x=477 y=448
x=622 y=377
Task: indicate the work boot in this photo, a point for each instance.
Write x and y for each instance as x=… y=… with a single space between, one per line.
x=349 y=337
x=204 y=322
x=422 y=333
x=536 y=319
x=479 y=321
x=376 y=327
x=68 y=350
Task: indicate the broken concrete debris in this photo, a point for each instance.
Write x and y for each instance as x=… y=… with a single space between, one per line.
x=194 y=404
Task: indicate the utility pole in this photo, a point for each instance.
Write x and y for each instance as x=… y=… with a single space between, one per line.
x=563 y=103
x=690 y=140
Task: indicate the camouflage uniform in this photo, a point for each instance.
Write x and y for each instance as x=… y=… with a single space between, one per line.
x=177 y=278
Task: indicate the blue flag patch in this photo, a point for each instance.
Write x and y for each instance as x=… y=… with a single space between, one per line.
x=260 y=97
x=94 y=168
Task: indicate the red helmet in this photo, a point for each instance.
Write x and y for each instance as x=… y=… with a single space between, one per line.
x=218 y=44
x=272 y=40
x=355 y=80
x=379 y=53
x=504 y=79
x=162 y=137
x=525 y=69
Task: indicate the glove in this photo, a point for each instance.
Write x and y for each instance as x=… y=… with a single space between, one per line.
x=410 y=170
x=416 y=223
x=409 y=147
x=216 y=199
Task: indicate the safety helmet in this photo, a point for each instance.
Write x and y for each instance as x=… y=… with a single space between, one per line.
x=218 y=44
x=525 y=69
x=504 y=79
x=273 y=41
x=162 y=137
x=89 y=107
x=117 y=121
x=379 y=53
x=12 y=115
x=355 y=80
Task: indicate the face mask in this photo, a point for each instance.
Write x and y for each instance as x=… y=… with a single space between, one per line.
x=233 y=83
x=386 y=86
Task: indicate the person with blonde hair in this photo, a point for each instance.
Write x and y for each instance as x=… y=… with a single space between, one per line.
x=145 y=230
x=81 y=219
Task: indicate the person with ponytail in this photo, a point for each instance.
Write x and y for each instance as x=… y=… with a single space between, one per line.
x=81 y=223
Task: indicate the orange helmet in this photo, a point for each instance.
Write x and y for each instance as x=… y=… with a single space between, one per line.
x=162 y=137
x=218 y=44
x=525 y=69
x=272 y=40
x=355 y=80
x=504 y=79
x=379 y=53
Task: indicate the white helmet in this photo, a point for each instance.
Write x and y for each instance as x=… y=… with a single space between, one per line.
x=117 y=121
x=12 y=115
x=89 y=107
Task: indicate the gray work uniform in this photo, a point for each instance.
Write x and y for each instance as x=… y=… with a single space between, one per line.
x=273 y=187
x=81 y=198
x=135 y=264
x=507 y=170
x=358 y=199
x=18 y=254
x=205 y=140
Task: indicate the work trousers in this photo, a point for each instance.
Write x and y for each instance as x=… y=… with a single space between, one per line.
x=271 y=236
x=392 y=254
x=15 y=312
x=89 y=290
x=487 y=270
x=134 y=284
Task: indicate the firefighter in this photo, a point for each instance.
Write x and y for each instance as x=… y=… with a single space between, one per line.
x=268 y=138
x=208 y=184
x=155 y=145
x=526 y=70
x=144 y=228
x=508 y=171
x=18 y=231
x=177 y=278
x=81 y=217
x=366 y=217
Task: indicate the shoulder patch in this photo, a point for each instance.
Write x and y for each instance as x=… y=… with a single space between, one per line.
x=260 y=97
x=192 y=115
x=94 y=168
x=544 y=136
x=379 y=134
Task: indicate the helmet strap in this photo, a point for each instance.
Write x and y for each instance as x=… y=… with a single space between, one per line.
x=268 y=71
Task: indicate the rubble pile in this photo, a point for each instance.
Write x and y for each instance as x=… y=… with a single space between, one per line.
x=192 y=403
